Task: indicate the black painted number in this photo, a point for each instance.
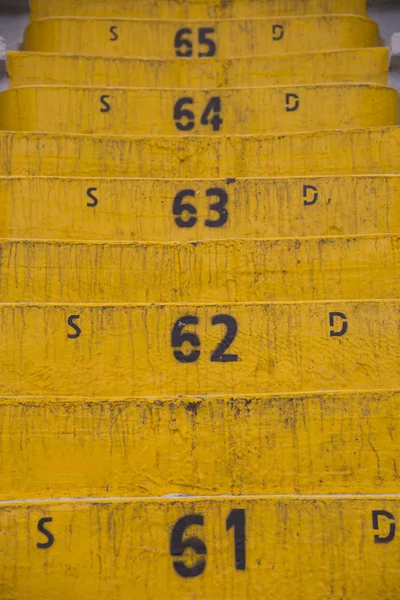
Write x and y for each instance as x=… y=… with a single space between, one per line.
x=184 y=46
x=231 y=330
x=179 y=543
x=237 y=520
x=180 y=207
x=179 y=337
x=211 y=114
x=185 y=118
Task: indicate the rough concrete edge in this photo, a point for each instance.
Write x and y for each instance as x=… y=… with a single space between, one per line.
x=23 y=5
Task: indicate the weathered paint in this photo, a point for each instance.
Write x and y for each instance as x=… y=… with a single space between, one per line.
x=289 y=547
x=126 y=350
x=235 y=37
x=361 y=151
x=311 y=443
x=193 y=9
x=173 y=111
x=284 y=269
x=355 y=65
x=143 y=209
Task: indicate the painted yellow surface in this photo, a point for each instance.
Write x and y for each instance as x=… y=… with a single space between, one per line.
x=228 y=38
x=360 y=64
x=186 y=112
x=289 y=547
x=129 y=350
x=313 y=443
x=208 y=271
x=193 y=9
x=143 y=209
x=357 y=152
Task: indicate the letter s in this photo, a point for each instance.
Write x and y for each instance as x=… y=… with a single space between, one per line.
x=89 y=193
x=113 y=31
x=74 y=326
x=107 y=107
x=46 y=532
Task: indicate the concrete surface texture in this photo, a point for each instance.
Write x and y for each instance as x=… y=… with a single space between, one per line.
x=14 y=17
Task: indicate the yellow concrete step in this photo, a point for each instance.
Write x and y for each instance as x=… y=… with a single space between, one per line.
x=151 y=350
x=285 y=444
x=287 y=547
x=368 y=65
x=193 y=9
x=201 y=39
x=282 y=269
x=357 y=152
x=145 y=111
x=192 y=210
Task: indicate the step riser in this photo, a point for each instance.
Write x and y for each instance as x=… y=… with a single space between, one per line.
x=100 y=550
x=323 y=443
x=139 y=350
x=190 y=112
x=142 y=210
x=166 y=39
x=213 y=271
x=368 y=65
x=358 y=152
x=194 y=9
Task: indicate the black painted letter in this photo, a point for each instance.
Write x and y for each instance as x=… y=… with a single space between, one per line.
x=332 y=317
x=113 y=31
x=74 y=326
x=106 y=107
x=278 y=32
x=50 y=537
x=292 y=102
x=305 y=194
x=375 y=525
x=89 y=194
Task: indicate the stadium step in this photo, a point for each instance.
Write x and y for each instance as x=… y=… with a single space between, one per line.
x=202 y=547
x=202 y=39
x=368 y=65
x=209 y=271
x=180 y=349
x=172 y=112
x=192 y=210
x=336 y=152
x=193 y=9
x=321 y=443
